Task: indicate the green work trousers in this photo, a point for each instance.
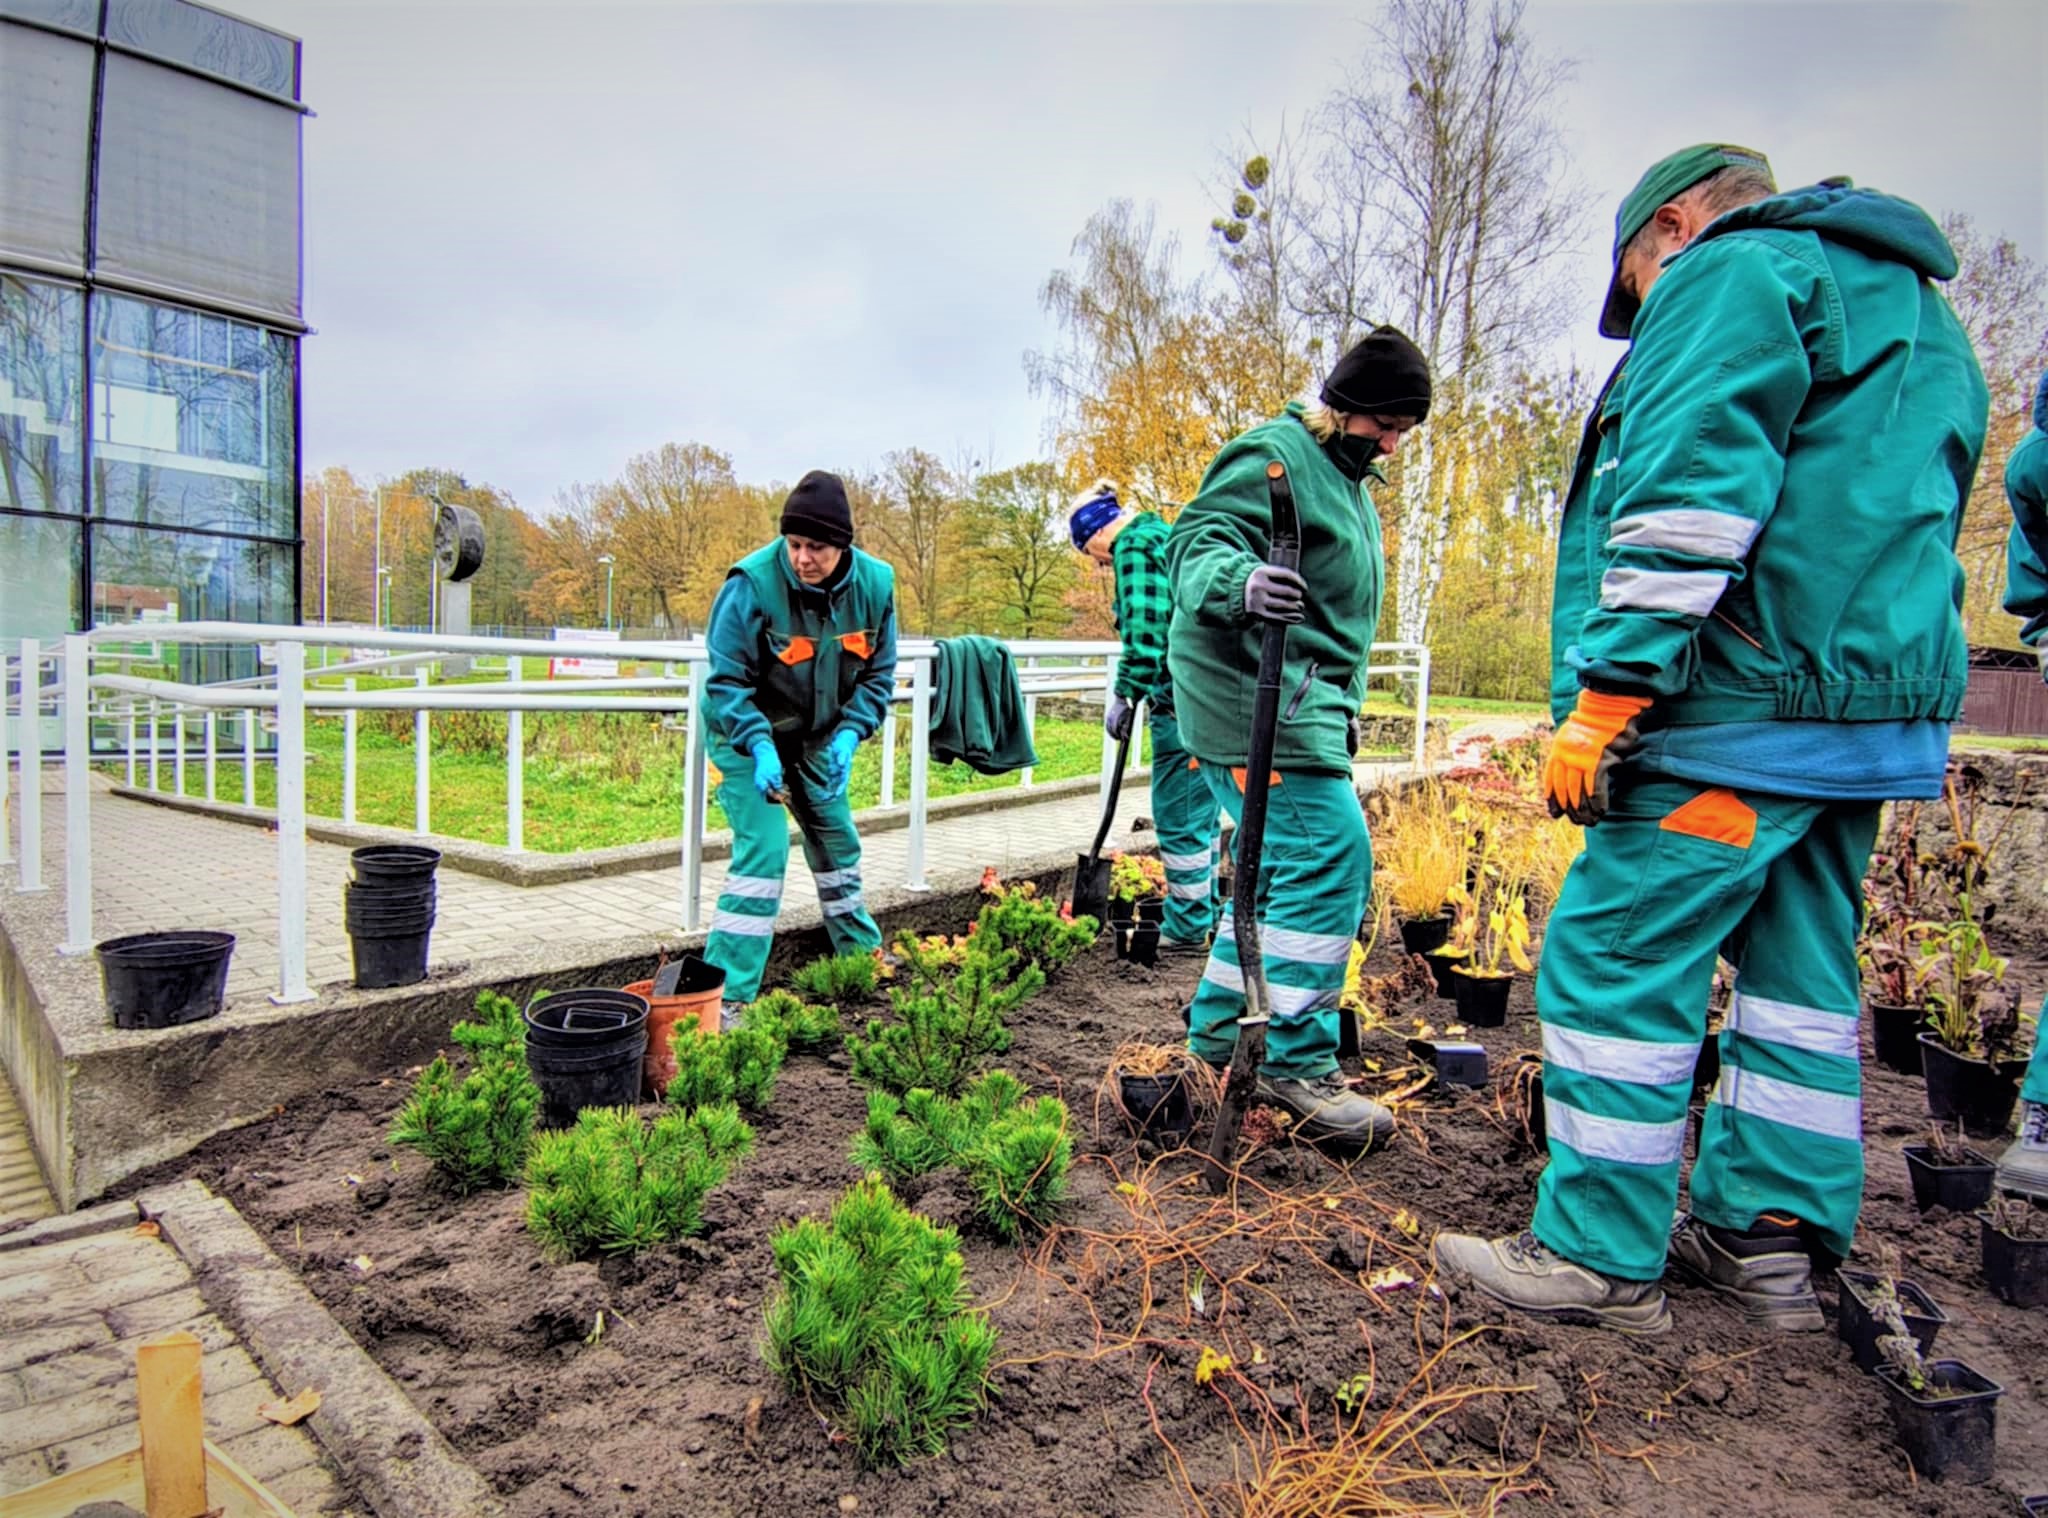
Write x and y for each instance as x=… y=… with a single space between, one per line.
x=1314 y=878
x=1184 y=817
x=743 y=926
x=1674 y=874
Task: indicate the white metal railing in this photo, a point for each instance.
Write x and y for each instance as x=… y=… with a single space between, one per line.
x=79 y=695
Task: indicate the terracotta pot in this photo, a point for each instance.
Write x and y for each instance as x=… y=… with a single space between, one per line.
x=699 y=995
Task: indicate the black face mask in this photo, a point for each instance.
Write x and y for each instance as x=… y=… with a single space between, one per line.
x=1353 y=455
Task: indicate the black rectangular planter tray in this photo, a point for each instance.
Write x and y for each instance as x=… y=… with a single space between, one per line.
x=1860 y=1329
x=1454 y=1064
x=1952 y=1437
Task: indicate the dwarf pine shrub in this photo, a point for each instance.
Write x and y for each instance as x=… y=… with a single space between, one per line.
x=1015 y=1152
x=799 y=1024
x=871 y=1317
x=475 y=1128
x=614 y=1184
x=950 y=1012
x=1018 y=918
x=737 y=1066
x=838 y=978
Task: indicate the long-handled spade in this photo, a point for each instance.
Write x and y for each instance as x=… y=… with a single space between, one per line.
x=1283 y=552
x=1091 y=870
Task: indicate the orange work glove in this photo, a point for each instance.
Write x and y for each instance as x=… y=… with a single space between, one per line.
x=1595 y=737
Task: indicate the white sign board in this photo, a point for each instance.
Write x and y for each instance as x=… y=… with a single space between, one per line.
x=577 y=664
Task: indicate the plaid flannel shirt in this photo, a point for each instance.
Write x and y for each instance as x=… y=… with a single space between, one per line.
x=1144 y=606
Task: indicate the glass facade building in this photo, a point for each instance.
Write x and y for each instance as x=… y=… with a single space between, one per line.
x=150 y=317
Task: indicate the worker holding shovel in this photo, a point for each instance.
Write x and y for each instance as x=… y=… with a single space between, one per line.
x=1315 y=875
x=803 y=664
x=2024 y=1166
x=1756 y=640
x=1183 y=812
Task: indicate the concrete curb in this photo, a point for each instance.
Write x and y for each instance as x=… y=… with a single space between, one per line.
x=67 y=1226
x=397 y=1460
x=531 y=869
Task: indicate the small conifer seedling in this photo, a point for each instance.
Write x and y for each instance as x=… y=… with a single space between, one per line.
x=615 y=1184
x=476 y=1128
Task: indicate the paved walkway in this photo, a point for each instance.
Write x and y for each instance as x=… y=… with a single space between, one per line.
x=71 y=1314
x=155 y=869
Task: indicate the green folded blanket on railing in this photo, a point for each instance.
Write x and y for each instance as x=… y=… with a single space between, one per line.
x=978 y=708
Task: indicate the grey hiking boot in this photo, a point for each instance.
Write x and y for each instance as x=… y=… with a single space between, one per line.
x=1183 y=950
x=1521 y=1273
x=1327 y=1108
x=2024 y=1166
x=1765 y=1270
x=729 y=1015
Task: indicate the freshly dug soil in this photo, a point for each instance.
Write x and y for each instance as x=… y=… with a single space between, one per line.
x=1096 y=1409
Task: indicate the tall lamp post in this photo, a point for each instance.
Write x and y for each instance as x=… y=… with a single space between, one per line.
x=606 y=560
x=384 y=595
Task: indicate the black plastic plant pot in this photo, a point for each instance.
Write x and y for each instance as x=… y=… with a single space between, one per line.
x=1158 y=1106
x=1136 y=940
x=386 y=960
x=1441 y=962
x=1421 y=934
x=1455 y=1064
x=602 y=1071
x=2016 y=1269
x=1895 y=1036
x=1975 y=1092
x=1152 y=909
x=411 y=894
x=1858 y=1324
x=1706 y=1070
x=582 y=1015
x=390 y=864
x=1959 y=1188
x=159 y=980
x=1347 y=1033
x=1482 y=999
x=1950 y=1430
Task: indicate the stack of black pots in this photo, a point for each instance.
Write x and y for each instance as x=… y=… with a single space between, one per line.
x=390 y=909
x=584 y=1047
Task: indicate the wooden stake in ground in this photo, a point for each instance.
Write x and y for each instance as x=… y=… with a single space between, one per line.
x=173 y=1438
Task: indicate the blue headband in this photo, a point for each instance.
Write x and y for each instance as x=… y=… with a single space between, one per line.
x=1091 y=518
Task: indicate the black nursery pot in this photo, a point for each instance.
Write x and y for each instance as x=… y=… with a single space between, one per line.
x=1860 y=1329
x=390 y=864
x=1706 y=1070
x=584 y=1047
x=1949 y=1431
x=1422 y=934
x=2016 y=1269
x=1441 y=962
x=1482 y=999
x=1158 y=1106
x=1152 y=909
x=1976 y=1092
x=1895 y=1036
x=1136 y=939
x=1959 y=1188
x=159 y=980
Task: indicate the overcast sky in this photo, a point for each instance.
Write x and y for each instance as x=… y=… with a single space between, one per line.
x=542 y=238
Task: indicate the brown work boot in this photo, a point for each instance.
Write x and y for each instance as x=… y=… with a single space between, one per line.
x=1765 y=1269
x=1521 y=1273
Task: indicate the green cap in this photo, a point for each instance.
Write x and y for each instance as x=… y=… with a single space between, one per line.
x=1664 y=181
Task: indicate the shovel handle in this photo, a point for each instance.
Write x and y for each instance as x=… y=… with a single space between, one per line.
x=1116 y=790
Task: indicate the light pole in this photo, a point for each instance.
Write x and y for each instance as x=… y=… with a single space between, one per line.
x=384 y=594
x=377 y=570
x=323 y=553
x=606 y=560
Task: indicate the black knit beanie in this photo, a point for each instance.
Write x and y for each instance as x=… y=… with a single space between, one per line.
x=817 y=509
x=1384 y=374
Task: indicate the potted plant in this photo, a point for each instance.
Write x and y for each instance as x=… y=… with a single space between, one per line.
x=1153 y=1088
x=1424 y=852
x=2014 y=1234
x=1947 y=1173
x=1945 y=1412
x=1895 y=972
x=1971 y=1052
x=1456 y=949
x=1877 y=1303
x=1483 y=983
x=1137 y=905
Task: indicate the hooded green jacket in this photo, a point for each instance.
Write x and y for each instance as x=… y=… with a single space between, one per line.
x=1766 y=525
x=2026 y=551
x=1212 y=645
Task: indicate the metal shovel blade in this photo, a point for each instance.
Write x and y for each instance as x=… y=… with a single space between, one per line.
x=1091 y=887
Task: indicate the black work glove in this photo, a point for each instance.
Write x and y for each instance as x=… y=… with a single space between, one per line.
x=1273 y=594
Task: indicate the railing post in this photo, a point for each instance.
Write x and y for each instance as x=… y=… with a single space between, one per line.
x=29 y=745
x=348 y=757
x=77 y=796
x=7 y=772
x=695 y=802
x=212 y=753
x=178 y=751
x=131 y=743
x=248 y=756
x=291 y=824
x=422 y=763
x=1030 y=724
x=920 y=770
x=888 y=792
x=1422 y=711
x=1108 y=743
x=154 y=736
x=515 y=781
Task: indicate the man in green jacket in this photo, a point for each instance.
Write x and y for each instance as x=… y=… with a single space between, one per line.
x=803 y=665
x=2024 y=1166
x=1758 y=641
x=1183 y=812
x=1316 y=872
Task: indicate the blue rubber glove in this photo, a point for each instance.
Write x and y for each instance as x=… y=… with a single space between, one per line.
x=839 y=763
x=767 y=772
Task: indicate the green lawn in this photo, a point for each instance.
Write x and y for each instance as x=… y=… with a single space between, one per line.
x=1455 y=708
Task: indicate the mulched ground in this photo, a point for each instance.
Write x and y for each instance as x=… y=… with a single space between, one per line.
x=1096 y=1408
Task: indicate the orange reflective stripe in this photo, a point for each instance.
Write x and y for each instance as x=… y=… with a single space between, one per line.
x=1238 y=774
x=857 y=644
x=799 y=651
x=1717 y=816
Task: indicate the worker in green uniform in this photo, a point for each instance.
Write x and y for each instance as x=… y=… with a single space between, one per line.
x=2024 y=1166
x=1316 y=872
x=1184 y=814
x=802 y=645
x=1757 y=640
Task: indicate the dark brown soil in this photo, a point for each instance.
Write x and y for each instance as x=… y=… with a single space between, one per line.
x=1096 y=1409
